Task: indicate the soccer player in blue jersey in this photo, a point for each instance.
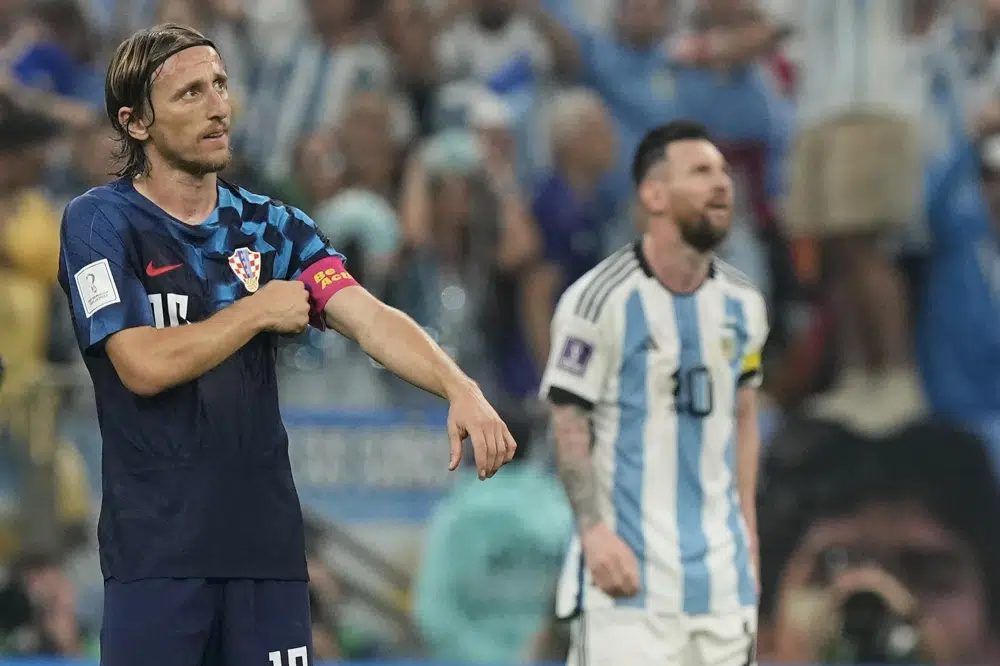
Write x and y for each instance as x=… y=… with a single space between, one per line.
x=180 y=285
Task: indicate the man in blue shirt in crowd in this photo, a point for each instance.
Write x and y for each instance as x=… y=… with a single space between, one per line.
x=958 y=333
x=645 y=83
x=180 y=285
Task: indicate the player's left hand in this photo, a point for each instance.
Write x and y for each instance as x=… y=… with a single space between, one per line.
x=470 y=415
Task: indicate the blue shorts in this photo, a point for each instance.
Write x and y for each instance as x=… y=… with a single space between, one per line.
x=206 y=622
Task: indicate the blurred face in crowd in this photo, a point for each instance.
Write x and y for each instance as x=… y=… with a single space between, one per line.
x=902 y=540
x=320 y=166
x=452 y=203
x=693 y=188
x=643 y=22
x=367 y=138
x=190 y=100
x=596 y=140
x=494 y=14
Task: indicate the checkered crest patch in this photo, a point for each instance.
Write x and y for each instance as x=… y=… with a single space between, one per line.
x=246 y=264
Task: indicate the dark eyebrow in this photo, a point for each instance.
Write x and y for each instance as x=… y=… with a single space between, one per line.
x=196 y=83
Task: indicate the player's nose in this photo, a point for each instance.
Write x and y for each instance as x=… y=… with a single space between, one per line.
x=219 y=106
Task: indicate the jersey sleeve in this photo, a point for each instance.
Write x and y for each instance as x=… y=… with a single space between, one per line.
x=100 y=275
x=310 y=259
x=751 y=373
x=578 y=359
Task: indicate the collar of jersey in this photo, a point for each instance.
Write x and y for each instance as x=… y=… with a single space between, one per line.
x=640 y=256
x=210 y=224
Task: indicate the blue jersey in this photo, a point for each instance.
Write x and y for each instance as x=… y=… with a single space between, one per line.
x=196 y=480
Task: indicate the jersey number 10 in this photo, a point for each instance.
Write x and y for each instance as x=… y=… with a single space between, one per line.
x=693 y=391
x=296 y=657
x=176 y=310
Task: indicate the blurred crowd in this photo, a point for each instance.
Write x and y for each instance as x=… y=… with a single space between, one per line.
x=470 y=158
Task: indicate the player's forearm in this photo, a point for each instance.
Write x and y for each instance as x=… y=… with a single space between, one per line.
x=571 y=430
x=397 y=342
x=150 y=360
x=538 y=296
x=564 y=45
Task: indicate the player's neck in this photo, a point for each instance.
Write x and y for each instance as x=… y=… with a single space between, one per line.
x=680 y=268
x=189 y=198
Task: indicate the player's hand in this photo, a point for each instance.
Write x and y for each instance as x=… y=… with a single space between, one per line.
x=612 y=563
x=283 y=306
x=470 y=415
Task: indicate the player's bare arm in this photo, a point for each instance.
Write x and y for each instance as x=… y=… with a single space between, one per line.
x=571 y=430
x=612 y=564
x=747 y=462
x=151 y=360
x=397 y=342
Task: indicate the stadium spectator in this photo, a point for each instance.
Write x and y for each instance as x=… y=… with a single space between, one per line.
x=754 y=141
x=573 y=215
x=407 y=27
x=310 y=76
x=29 y=246
x=38 y=612
x=854 y=180
x=639 y=81
x=878 y=551
x=490 y=565
x=957 y=343
x=373 y=133
x=479 y=37
x=363 y=220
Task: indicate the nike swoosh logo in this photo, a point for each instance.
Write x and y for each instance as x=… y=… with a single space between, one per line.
x=153 y=271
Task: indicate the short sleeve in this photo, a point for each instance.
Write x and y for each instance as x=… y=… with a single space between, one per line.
x=751 y=372
x=578 y=359
x=305 y=244
x=98 y=272
x=310 y=259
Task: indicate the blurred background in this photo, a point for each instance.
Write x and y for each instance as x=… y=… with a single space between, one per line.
x=470 y=158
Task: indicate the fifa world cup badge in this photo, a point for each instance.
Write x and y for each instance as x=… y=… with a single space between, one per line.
x=246 y=264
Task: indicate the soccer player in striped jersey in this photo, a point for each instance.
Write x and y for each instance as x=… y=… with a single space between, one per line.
x=652 y=381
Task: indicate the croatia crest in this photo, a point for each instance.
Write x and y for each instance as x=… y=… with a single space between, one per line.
x=246 y=264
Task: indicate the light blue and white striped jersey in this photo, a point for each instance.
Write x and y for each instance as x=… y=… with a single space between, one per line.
x=662 y=372
x=302 y=87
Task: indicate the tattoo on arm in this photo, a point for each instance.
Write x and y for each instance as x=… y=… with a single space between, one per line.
x=571 y=427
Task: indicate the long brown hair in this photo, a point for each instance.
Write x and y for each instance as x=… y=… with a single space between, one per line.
x=129 y=82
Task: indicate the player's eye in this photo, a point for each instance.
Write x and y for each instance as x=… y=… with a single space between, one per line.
x=189 y=93
x=221 y=85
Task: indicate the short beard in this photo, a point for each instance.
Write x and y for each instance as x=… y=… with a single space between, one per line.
x=701 y=235
x=195 y=167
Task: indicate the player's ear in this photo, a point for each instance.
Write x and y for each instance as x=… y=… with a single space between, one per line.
x=133 y=125
x=653 y=194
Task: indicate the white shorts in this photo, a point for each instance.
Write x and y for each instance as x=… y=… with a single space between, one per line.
x=635 y=637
